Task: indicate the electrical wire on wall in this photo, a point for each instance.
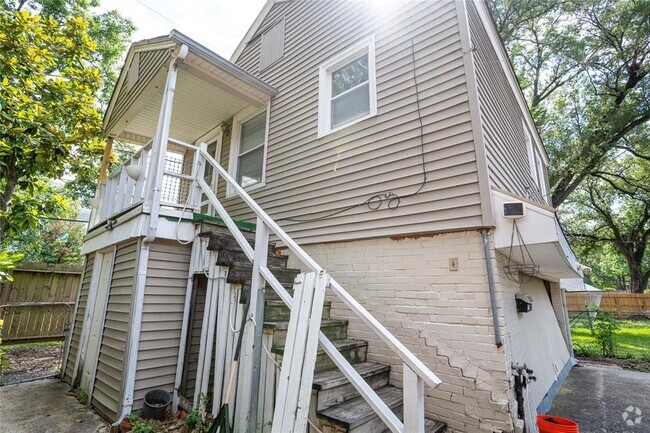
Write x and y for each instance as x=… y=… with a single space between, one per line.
x=393 y=200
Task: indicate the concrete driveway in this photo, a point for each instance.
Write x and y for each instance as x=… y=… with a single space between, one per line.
x=42 y=406
x=604 y=399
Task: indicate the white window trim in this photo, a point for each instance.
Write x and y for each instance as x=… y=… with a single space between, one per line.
x=215 y=134
x=325 y=85
x=235 y=143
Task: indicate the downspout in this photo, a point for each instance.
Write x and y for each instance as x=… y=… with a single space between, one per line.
x=493 y=300
x=134 y=340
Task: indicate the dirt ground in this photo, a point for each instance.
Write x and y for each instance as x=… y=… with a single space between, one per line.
x=33 y=361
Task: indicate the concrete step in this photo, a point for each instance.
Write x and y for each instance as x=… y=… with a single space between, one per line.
x=276 y=310
x=354 y=351
x=333 y=329
x=356 y=416
x=231 y=257
x=334 y=388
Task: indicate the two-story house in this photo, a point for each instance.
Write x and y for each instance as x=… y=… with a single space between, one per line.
x=385 y=142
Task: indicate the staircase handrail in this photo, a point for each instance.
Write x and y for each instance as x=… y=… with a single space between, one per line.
x=411 y=362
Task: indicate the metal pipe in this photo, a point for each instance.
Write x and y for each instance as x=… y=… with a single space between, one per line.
x=493 y=301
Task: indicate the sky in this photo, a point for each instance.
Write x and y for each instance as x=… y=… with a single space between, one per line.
x=217 y=24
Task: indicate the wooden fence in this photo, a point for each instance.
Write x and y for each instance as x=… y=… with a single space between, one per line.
x=620 y=303
x=38 y=304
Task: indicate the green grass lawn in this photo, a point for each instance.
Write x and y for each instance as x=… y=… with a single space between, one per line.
x=632 y=340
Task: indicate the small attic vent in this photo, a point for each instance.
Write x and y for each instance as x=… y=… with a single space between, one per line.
x=134 y=72
x=272 y=45
x=513 y=210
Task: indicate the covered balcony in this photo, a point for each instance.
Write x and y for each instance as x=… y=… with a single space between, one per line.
x=535 y=241
x=173 y=95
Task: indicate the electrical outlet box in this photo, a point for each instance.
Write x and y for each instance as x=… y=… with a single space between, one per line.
x=453 y=263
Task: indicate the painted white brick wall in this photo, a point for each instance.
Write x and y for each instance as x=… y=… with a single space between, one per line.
x=533 y=338
x=443 y=316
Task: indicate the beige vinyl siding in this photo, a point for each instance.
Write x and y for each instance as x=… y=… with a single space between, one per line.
x=501 y=118
x=307 y=177
x=149 y=64
x=79 y=318
x=162 y=315
x=109 y=381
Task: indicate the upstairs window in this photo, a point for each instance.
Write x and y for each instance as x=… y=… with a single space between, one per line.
x=347 y=88
x=536 y=164
x=272 y=45
x=248 y=153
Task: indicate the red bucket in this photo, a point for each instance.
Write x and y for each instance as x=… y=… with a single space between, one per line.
x=555 y=424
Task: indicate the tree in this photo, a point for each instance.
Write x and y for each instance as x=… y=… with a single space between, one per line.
x=111 y=33
x=48 y=118
x=612 y=208
x=54 y=239
x=588 y=58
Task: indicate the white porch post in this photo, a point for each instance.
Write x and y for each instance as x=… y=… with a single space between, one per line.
x=159 y=147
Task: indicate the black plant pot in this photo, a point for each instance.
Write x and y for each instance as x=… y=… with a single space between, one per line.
x=156 y=403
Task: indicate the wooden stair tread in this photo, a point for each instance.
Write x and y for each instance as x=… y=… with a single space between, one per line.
x=355 y=412
x=334 y=377
x=281 y=325
x=340 y=345
x=430 y=426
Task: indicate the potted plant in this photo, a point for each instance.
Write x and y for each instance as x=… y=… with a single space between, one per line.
x=127 y=423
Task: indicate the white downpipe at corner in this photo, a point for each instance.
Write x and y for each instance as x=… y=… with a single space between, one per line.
x=134 y=340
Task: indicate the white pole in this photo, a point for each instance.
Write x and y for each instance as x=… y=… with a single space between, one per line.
x=136 y=322
x=196 y=246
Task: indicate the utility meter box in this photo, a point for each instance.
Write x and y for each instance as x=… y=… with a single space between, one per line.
x=524 y=303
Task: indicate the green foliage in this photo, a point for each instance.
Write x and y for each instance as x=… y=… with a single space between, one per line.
x=82 y=396
x=605 y=329
x=51 y=241
x=4 y=362
x=193 y=420
x=608 y=221
x=8 y=261
x=133 y=417
x=143 y=427
x=48 y=118
x=632 y=340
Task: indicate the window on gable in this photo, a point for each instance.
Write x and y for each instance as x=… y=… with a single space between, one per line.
x=250 y=149
x=347 y=88
x=536 y=164
x=272 y=45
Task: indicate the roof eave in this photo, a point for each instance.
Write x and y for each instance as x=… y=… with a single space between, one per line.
x=222 y=63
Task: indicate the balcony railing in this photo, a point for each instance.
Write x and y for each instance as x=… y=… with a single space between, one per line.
x=133 y=182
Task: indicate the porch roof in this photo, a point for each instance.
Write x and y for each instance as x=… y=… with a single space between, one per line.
x=209 y=90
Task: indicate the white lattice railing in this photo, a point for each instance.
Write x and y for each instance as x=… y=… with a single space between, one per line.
x=416 y=374
x=133 y=182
